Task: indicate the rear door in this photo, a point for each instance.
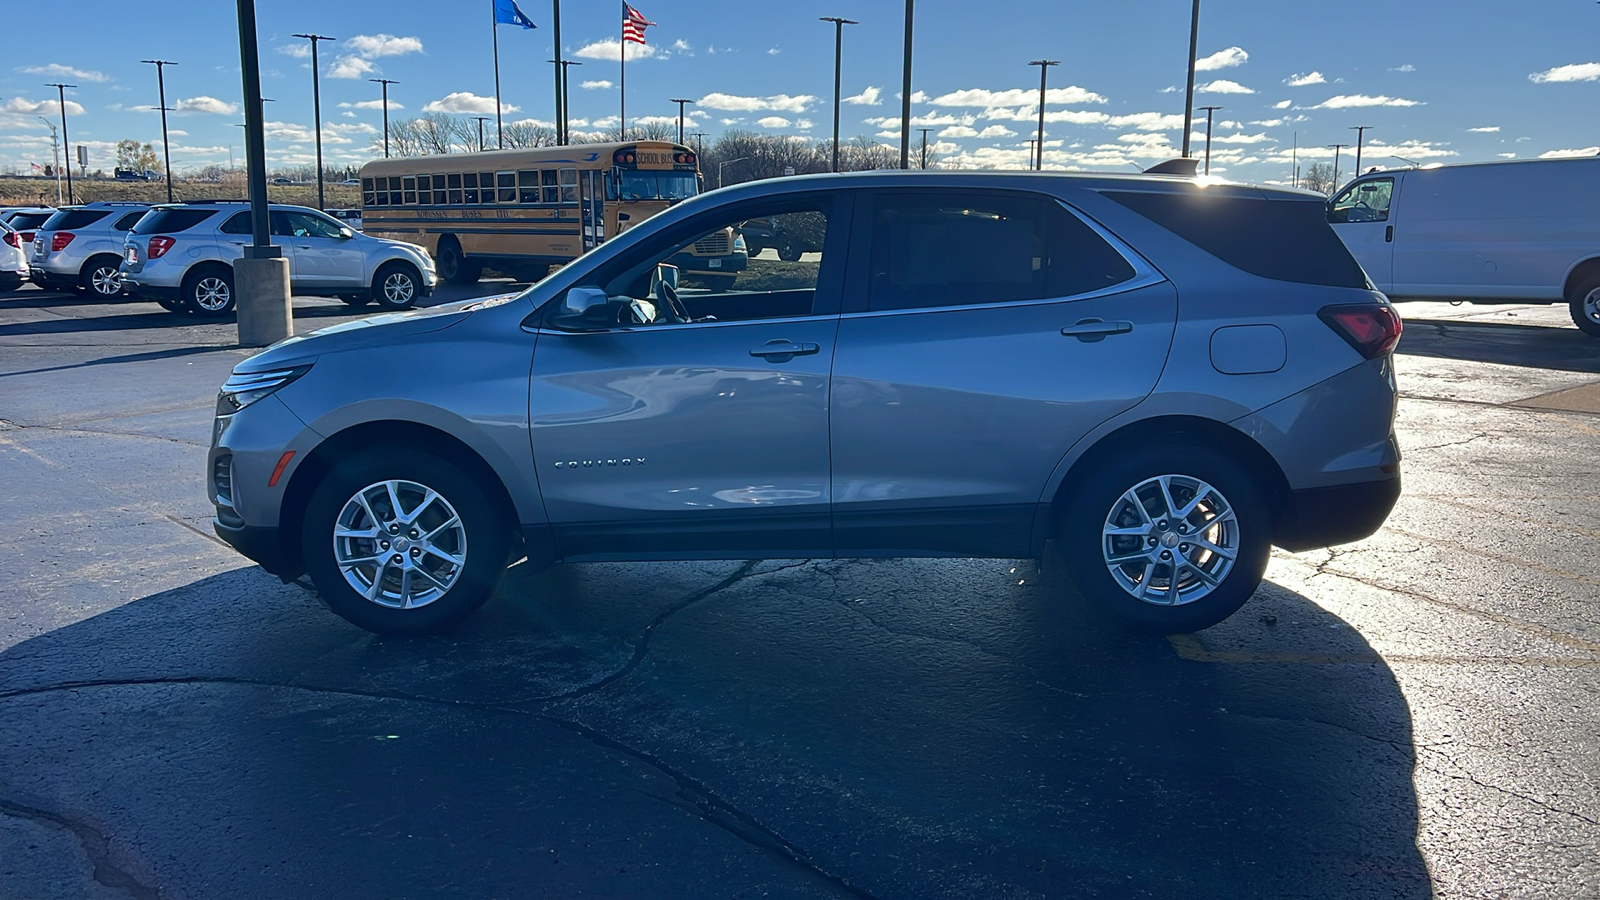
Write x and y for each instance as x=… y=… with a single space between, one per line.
x=1360 y=215
x=983 y=335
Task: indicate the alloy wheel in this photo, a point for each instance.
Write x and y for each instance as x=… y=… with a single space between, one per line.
x=106 y=281
x=399 y=544
x=212 y=294
x=1170 y=540
x=398 y=288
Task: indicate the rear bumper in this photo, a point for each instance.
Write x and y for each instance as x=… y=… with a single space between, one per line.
x=1325 y=516
x=132 y=285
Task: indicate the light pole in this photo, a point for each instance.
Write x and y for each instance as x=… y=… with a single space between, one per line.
x=1336 y=149
x=261 y=278
x=838 y=52
x=699 y=143
x=1188 y=97
x=166 y=146
x=66 y=145
x=905 y=95
x=1209 y=110
x=725 y=164
x=385 y=82
x=1044 y=67
x=561 y=73
x=481 y=120
x=316 y=106
x=1033 y=146
x=924 y=146
x=1361 y=135
x=680 y=116
x=563 y=131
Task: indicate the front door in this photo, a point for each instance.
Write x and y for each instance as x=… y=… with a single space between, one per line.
x=1360 y=216
x=325 y=259
x=991 y=333
x=694 y=423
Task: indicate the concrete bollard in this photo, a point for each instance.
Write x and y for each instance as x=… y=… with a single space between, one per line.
x=263 y=305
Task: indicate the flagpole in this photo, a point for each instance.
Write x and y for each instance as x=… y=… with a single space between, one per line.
x=622 y=86
x=494 y=24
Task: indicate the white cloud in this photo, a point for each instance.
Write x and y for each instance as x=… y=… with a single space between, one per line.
x=773 y=51
x=1574 y=72
x=371 y=104
x=1268 y=123
x=463 y=102
x=351 y=67
x=1559 y=154
x=1349 y=101
x=1239 y=138
x=773 y=122
x=730 y=121
x=1299 y=80
x=41 y=108
x=1282 y=104
x=1222 y=59
x=1506 y=155
x=776 y=102
x=995 y=131
x=537 y=123
x=372 y=46
x=959 y=131
x=1408 y=67
x=867 y=97
x=205 y=104
x=610 y=49
x=1485 y=129
x=288 y=131
x=57 y=70
x=599 y=84
x=297 y=50
x=1069 y=96
x=803 y=124
x=1222 y=86
x=682 y=46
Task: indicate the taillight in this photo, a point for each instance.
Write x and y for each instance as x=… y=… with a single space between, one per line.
x=1373 y=329
x=10 y=238
x=25 y=236
x=159 y=245
x=60 y=241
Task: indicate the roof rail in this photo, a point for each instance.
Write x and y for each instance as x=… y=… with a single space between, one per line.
x=218 y=200
x=1181 y=166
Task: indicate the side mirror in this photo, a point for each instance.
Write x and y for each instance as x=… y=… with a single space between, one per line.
x=580 y=300
x=346 y=234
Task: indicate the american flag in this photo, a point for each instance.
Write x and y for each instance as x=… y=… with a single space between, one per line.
x=633 y=24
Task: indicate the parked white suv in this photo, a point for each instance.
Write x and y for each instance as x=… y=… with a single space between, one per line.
x=80 y=247
x=13 y=261
x=181 y=256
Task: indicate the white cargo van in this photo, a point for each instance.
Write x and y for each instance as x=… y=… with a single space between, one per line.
x=1521 y=231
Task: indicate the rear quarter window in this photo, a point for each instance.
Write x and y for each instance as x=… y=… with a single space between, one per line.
x=1285 y=240
x=171 y=221
x=29 y=221
x=68 y=219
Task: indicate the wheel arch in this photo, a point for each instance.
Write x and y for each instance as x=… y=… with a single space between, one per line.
x=1580 y=273
x=364 y=436
x=88 y=264
x=1209 y=432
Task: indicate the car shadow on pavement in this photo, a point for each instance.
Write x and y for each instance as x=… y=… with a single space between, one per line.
x=890 y=728
x=1538 y=346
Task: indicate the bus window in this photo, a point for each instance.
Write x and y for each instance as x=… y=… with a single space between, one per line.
x=455 y=189
x=409 y=186
x=394 y=190
x=507 y=183
x=368 y=193
x=528 y=186
x=470 y=180
x=486 y=187
x=552 y=191
x=380 y=197
x=438 y=188
x=569 y=186
x=424 y=192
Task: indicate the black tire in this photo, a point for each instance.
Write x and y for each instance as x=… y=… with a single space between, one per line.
x=454 y=267
x=357 y=299
x=788 y=252
x=717 y=283
x=170 y=304
x=1584 y=305
x=396 y=286
x=1089 y=552
x=753 y=248
x=100 y=277
x=208 y=291
x=484 y=542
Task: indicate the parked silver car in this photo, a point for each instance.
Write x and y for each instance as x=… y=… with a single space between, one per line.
x=182 y=255
x=80 y=247
x=13 y=259
x=1165 y=378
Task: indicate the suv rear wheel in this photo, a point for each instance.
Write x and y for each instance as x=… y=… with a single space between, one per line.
x=403 y=542
x=208 y=291
x=1168 y=539
x=396 y=286
x=101 y=277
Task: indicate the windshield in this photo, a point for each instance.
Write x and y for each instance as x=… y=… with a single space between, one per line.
x=637 y=185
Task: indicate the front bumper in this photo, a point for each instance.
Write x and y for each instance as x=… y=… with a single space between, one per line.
x=1322 y=517
x=731 y=264
x=264 y=545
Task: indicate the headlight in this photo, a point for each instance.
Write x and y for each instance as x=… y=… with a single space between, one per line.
x=242 y=390
x=738 y=242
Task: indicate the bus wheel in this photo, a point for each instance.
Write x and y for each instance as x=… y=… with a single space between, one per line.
x=454 y=266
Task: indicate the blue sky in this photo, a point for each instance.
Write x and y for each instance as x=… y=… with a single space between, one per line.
x=1439 y=82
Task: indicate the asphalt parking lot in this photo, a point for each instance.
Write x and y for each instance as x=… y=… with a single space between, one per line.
x=1410 y=716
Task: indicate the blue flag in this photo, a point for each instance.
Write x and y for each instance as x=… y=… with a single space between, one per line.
x=506 y=13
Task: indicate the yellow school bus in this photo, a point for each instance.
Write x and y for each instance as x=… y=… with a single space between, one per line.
x=522 y=211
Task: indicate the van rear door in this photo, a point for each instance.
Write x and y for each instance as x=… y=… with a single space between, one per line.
x=1360 y=215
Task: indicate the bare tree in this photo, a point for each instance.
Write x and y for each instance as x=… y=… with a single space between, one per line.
x=1319 y=178
x=527 y=134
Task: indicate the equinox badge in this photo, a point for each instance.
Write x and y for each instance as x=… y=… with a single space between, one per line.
x=600 y=463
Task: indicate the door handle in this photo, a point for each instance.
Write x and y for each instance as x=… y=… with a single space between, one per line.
x=1091 y=330
x=1388 y=234
x=782 y=351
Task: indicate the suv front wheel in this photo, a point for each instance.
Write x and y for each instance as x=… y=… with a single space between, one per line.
x=1168 y=539
x=208 y=291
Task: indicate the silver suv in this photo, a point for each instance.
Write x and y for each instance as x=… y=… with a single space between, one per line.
x=1163 y=378
x=80 y=247
x=181 y=256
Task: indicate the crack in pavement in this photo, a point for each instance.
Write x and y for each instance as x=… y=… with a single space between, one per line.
x=1481 y=434
x=1469 y=777
x=95 y=845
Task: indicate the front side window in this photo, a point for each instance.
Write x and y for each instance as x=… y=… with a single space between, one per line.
x=239 y=223
x=939 y=249
x=307 y=225
x=1364 y=201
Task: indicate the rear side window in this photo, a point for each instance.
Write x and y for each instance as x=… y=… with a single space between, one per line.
x=239 y=224
x=128 y=221
x=29 y=221
x=1285 y=240
x=68 y=219
x=933 y=249
x=171 y=221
